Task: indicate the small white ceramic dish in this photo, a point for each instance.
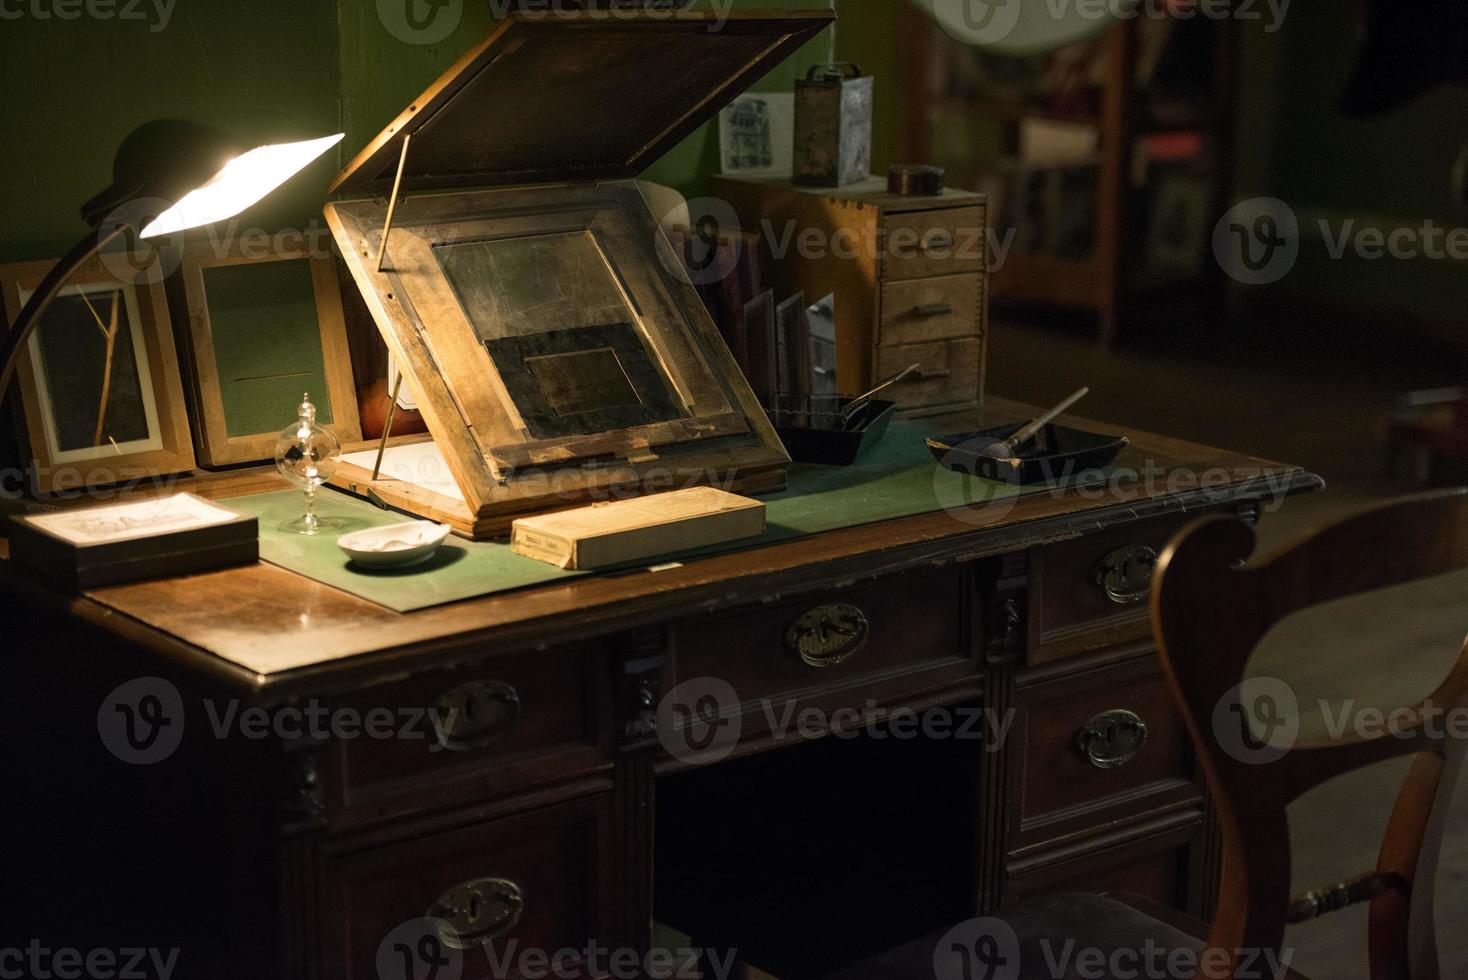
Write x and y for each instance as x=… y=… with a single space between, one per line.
x=395 y=546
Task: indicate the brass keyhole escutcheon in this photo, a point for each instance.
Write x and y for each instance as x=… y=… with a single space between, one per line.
x=1126 y=574
x=477 y=912
x=828 y=635
x=474 y=715
x=1112 y=739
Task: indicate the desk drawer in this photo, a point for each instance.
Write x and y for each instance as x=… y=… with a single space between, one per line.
x=538 y=881
x=1093 y=592
x=924 y=310
x=933 y=243
x=948 y=372
x=476 y=732
x=884 y=639
x=1100 y=740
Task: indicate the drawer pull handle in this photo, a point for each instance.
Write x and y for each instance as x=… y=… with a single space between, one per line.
x=1126 y=574
x=924 y=374
x=1112 y=739
x=474 y=715
x=935 y=240
x=829 y=635
x=478 y=912
x=935 y=309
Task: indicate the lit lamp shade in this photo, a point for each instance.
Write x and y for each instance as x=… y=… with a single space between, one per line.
x=200 y=175
x=240 y=183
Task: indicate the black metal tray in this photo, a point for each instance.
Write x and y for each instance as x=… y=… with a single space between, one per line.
x=837 y=447
x=1057 y=454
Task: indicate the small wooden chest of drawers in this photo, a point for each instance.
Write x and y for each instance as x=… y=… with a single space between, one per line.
x=908 y=275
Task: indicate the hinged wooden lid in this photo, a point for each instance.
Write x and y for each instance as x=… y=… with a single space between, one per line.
x=595 y=95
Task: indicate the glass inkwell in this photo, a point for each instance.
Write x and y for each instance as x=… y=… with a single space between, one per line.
x=307 y=455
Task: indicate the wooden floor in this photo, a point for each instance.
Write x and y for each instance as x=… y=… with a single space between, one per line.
x=1328 y=419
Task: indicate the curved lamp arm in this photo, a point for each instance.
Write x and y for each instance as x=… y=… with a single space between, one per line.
x=35 y=308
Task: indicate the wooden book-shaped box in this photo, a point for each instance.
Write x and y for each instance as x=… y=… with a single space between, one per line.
x=543 y=324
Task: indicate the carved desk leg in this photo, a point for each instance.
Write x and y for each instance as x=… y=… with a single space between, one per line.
x=1005 y=639
x=640 y=665
x=303 y=822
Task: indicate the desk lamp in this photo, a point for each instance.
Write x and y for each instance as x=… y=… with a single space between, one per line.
x=203 y=176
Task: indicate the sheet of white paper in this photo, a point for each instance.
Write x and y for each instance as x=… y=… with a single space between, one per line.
x=757 y=135
x=421 y=464
x=126 y=522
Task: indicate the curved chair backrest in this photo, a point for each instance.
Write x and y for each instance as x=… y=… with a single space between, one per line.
x=1210 y=610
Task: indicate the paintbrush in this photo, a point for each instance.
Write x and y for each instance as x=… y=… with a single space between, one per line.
x=1007 y=448
x=861 y=402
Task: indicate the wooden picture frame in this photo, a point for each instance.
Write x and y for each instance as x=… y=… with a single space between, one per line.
x=115 y=333
x=262 y=331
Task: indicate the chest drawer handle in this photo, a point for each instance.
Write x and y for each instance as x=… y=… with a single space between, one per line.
x=477 y=912
x=935 y=240
x=935 y=309
x=1126 y=574
x=1112 y=739
x=829 y=635
x=474 y=715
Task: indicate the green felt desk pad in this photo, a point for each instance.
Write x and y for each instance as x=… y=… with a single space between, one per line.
x=896 y=478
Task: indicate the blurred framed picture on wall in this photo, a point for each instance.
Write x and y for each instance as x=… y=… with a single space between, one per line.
x=1179 y=225
x=101 y=396
x=264 y=327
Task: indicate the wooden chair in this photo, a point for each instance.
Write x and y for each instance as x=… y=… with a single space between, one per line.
x=1210 y=611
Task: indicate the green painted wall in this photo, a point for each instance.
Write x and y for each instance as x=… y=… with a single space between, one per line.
x=260 y=69
x=74 y=88
x=867 y=35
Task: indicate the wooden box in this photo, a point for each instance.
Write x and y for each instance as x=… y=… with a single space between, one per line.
x=93 y=547
x=909 y=277
x=641 y=529
x=545 y=328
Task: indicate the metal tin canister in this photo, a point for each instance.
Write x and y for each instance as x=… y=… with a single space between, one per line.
x=833 y=126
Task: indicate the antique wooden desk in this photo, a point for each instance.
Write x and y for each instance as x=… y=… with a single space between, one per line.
x=294 y=857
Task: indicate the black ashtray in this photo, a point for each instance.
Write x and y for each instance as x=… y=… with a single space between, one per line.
x=822 y=437
x=1055 y=455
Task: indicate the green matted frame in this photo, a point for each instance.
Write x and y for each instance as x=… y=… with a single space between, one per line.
x=262 y=330
x=102 y=401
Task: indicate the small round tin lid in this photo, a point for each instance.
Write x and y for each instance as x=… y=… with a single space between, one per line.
x=916 y=180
